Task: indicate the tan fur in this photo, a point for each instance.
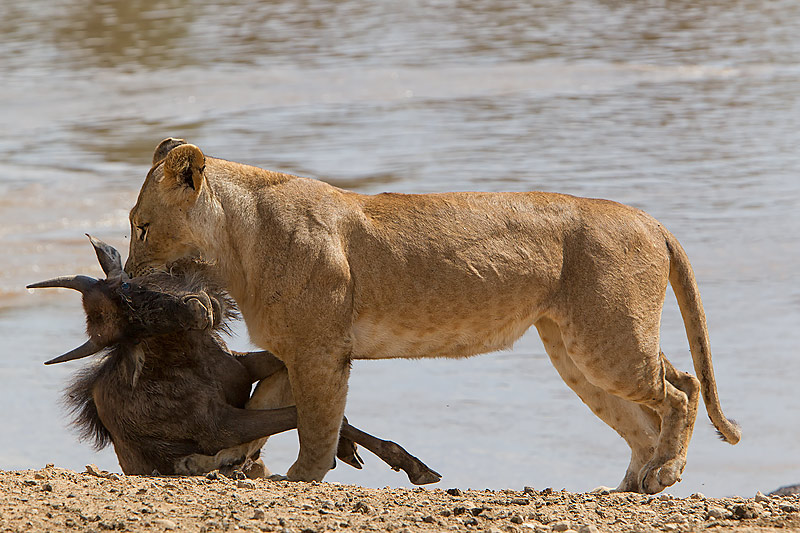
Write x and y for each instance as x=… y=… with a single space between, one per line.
x=323 y=276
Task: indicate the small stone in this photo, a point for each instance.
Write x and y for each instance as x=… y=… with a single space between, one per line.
x=529 y=490
x=744 y=511
x=698 y=496
x=588 y=528
x=307 y=506
x=516 y=519
x=665 y=497
x=521 y=501
x=676 y=518
x=361 y=507
x=790 y=508
x=760 y=498
x=38 y=475
x=165 y=523
x=560 y=526
x=48 y=487
x=454 y=492
x=718 y=513
x=259 y=514
x=214 y=474
x=429 y=519
x=470 y=521
x=245 y=484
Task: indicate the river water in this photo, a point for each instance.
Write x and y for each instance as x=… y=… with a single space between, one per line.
x=688 y=110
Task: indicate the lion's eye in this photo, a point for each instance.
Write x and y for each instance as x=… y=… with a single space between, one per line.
x=142 y=230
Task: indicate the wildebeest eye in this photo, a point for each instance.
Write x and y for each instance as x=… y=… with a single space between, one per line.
x=126 y=286
x=142 y=230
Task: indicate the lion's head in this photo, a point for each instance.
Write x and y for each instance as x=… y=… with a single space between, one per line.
x=164 y=224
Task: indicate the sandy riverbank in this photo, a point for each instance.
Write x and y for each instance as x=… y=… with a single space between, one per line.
x=56 y=499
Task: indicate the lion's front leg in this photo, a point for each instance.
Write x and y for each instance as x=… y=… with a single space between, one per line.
x=320 y=392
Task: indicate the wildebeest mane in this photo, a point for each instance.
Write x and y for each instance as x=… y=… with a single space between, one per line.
x=79 y=401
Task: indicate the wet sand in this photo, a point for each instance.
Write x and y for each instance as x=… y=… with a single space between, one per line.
x=56 y=499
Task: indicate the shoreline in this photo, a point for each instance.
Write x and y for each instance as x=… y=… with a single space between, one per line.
x=57 y=499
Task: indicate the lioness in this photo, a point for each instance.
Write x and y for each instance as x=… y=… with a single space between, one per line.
x=324 y=276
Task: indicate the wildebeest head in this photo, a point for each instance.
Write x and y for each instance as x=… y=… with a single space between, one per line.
x=121 y=310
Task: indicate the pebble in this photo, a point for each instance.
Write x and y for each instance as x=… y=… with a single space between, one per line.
x=361 y=507
x=454 y=492
x=676 y=518
x=718 y=513
x=245 y=484
x=560 y=526
x=743 y=512
x=698 y=496
x=588 y=528
x=165 y=523
x=516 y=519
x=760 y=498
x=259 y=514
x=665 y=497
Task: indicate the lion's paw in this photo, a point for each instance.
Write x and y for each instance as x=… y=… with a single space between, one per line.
x=657 y=478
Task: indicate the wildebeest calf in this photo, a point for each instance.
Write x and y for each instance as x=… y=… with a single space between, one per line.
x=168 y=394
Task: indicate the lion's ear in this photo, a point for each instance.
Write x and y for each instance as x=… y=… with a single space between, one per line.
x=184 y=166
x=164 y=148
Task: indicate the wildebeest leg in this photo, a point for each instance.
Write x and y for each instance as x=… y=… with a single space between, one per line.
x=245 y=427
x=274 y=391
x=392 y=454
x=259 y=365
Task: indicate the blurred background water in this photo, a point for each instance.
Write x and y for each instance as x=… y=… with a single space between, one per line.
x=686 y=109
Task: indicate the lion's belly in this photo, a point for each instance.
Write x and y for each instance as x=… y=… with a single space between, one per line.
x=384 y=339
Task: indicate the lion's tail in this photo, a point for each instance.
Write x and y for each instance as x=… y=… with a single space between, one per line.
x=683 y=282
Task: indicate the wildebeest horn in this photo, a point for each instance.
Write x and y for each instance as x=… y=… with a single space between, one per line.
x=79 y=283
x=84 y=350
x=110 y=260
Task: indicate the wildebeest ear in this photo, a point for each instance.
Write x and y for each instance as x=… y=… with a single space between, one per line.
x=164 y=147
x=110 y=260
x=184 y=166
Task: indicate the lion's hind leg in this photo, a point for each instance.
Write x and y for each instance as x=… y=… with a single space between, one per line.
x=630 y=366
x=638 y=425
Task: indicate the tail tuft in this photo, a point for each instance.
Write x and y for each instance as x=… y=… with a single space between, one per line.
x=735 y=429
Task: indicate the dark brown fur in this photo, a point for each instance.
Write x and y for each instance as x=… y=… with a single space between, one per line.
x=157 y=397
